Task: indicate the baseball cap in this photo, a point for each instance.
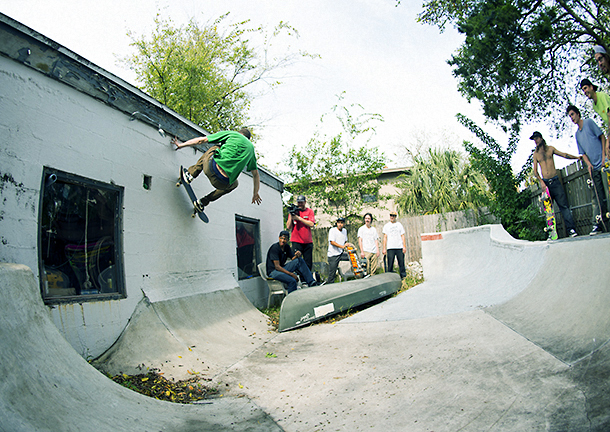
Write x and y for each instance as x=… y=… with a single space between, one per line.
x=536 y=135
x=301 y=198
x=393 y=213
x=599 y=49
x=284 y=233
x=341 y=219
x=587 y=82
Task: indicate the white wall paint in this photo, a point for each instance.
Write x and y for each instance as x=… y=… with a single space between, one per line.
x=167 y=254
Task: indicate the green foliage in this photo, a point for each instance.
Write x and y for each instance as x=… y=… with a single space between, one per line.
x=522 y=59
x=335 y=173
x=441 y=181
x=521 y=219
x=205 y=73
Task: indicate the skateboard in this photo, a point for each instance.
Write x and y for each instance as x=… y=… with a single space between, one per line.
x=598 y=217
x=551 y=223
x=359 y=272
x=192 y=196
x=606 y=169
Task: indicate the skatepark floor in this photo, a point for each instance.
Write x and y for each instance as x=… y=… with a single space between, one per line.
x=503 y=335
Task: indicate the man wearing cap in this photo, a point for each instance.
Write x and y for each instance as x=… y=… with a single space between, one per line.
x=601 y=101
x=394 y=244
x=301 y=224
x=337 y=242
x=592 y=146
x=278 y=269
x=602 y=59
x=543 y=156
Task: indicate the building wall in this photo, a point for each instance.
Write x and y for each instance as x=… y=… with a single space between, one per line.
x=167 y=254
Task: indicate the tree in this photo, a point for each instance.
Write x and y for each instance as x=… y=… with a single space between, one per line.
x=522 y=59
x=441 y=181
x=520 y=218
x=206 y=74
x=336 y=173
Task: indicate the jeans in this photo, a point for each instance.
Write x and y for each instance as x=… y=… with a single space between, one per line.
x=333 y=264
x=295 y=266
x=400 y=256
x=559 y=196
x=306 y=250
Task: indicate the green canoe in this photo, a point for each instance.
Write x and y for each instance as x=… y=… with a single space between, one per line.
x=308 y=305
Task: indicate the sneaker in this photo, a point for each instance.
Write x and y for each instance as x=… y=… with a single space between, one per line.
x=596 y=230
x=187 y=176
x=198 y=205
x=313 y=284
x=572 y=233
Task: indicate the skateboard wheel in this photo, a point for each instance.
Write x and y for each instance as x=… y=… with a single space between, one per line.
x=193 y=215
x=178 y=184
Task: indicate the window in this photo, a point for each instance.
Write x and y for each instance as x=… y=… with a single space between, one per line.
x=80 y=245
x=247 y=236
x=368 y=198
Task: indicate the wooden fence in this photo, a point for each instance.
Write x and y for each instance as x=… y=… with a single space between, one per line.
x=414 y=227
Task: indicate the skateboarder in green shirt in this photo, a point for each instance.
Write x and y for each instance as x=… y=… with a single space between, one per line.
x=222 y=163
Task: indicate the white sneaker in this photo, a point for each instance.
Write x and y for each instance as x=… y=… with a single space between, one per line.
x=572 y=233
x=596 y=230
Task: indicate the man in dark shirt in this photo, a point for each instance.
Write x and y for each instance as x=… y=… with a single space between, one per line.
x=277 y=268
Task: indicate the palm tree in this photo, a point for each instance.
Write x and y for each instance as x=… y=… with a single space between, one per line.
x=441 y=181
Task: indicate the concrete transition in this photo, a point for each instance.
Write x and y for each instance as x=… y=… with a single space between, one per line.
x=504 y=335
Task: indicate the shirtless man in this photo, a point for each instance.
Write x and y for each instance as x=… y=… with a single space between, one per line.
x=543 y=156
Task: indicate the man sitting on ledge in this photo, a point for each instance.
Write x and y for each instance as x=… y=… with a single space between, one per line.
x=277 y=268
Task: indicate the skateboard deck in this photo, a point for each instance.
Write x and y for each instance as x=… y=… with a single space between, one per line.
x=598 y=217
x=606 y=169
x=192 y=196
x=359 y=272
x=551 y=223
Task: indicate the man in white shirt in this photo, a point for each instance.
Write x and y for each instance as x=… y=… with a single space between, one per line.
x=394 y=244
x=337 y=241
x=368 y=240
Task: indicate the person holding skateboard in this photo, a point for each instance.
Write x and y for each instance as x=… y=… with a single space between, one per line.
x=543 y=157
x=592 y=146
x=222 y=163
x=278 y=269
x=337 y=242
x=394 y=244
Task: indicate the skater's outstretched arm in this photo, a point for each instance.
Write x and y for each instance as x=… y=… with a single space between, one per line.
x=189 y=143
x=256 y=180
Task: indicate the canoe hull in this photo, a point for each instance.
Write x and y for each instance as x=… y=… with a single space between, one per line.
x=308 y=305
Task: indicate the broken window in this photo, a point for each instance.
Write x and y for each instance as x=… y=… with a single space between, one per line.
x=247 y=238
x=80 y=239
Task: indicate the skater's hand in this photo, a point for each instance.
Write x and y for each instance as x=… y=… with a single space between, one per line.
x=176 y=142
x=256 y=198
x=298 y=254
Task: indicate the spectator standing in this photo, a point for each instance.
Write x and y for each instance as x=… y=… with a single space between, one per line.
x=337 y=241
x=301 y=223
x=368 y=240
x=394 y=244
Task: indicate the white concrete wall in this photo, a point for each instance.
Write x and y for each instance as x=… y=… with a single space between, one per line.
x=167 y=254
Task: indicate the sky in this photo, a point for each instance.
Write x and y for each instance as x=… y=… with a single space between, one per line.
x=373 y=52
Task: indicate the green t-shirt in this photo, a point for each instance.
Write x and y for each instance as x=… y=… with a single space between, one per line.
x=602 y=106
x=235 y=153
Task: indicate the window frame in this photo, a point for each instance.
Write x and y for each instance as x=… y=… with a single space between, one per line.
x=257 y=245
x=117 y=257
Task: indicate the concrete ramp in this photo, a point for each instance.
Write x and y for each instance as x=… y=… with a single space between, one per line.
x=203 y=334
x=464 y=270
x=47 y=386
x=565 y=309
